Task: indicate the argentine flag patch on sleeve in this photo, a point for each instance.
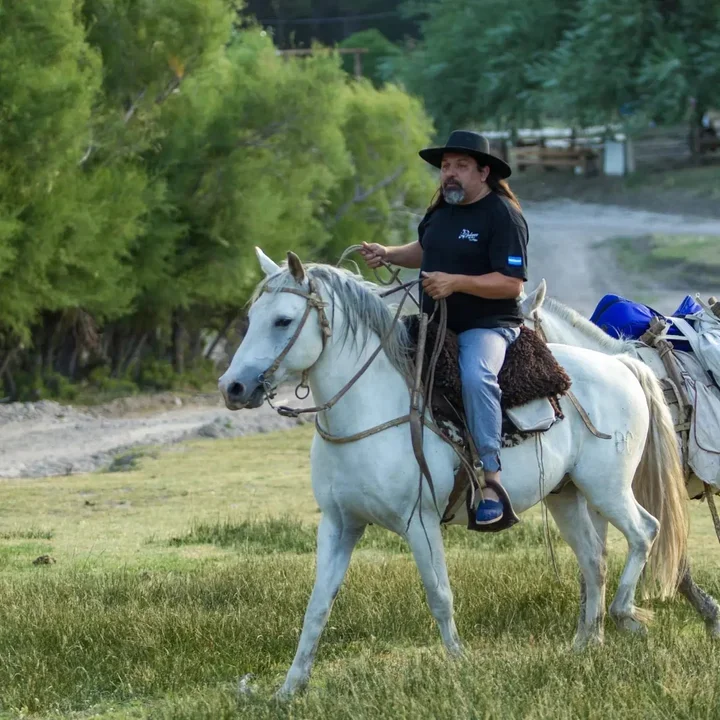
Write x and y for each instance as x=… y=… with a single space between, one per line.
x=515 y=261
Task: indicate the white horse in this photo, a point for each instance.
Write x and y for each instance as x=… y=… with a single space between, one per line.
x=562 y=324
x=375 y=479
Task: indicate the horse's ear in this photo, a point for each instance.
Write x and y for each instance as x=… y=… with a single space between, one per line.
x=535 y=299
x=296 y=267
x=268 y=266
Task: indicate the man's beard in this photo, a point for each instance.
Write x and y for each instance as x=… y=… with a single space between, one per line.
x=453 y=193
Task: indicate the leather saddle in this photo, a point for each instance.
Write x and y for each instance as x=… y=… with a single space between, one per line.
x=531 y=381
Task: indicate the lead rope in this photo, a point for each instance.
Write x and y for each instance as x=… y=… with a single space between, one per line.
x=417 y=414
x=418 y=423
x=395 y=274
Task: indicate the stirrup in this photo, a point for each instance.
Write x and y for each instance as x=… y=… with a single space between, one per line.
x=508 y=519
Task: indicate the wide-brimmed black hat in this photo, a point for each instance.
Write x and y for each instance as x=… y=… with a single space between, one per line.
x=469 y=143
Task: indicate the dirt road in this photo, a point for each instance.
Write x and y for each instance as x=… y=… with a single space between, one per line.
x=567 y=248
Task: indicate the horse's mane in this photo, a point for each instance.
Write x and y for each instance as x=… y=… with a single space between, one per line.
x=364 y=310
x=574 y=318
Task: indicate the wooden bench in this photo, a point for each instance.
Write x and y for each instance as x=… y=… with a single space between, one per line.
x=582 y=157
x=702 y=142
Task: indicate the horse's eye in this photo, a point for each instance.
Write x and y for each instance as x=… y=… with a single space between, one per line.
x=283 y=322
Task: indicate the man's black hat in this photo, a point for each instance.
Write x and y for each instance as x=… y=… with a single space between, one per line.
x=469 y=143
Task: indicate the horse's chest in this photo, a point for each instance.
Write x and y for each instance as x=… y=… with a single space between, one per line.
x=354 y=481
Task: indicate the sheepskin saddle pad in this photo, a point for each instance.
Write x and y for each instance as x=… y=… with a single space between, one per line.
x=531 y=381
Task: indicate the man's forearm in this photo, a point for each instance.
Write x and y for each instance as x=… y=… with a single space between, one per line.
x=408 y=256
x=493 y=286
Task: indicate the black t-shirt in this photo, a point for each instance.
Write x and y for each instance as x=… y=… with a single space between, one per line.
x=487 y=236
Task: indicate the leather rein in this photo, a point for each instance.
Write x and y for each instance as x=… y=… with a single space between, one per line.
x=418 y=399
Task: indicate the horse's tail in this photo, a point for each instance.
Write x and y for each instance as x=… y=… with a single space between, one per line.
x=659 y=486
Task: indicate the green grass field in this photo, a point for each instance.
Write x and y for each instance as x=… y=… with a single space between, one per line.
x=693 y=190
x=690 y=259
x=176 y=578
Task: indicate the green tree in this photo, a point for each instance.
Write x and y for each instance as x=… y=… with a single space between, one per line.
x=380 y=52
x=475 y=64
x=146 y=148
x=593 y=72
x=682 y=62
x=635 y=61
x=50 y=78
x=383 y=131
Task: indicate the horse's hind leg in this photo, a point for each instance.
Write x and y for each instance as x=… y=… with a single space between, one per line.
x=587 y=541
x=640 y=529
x=705 y=605
x=335 y=543
x=427 y=548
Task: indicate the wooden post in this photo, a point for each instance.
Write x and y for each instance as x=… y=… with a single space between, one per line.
x=357 y=52
x=358 y=64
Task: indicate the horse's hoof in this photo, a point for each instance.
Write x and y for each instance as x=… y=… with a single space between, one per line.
x=288 y=691
x=283 y=695
x=244 y=688
x=631 y=625
x=583 y=642
x=713 y=630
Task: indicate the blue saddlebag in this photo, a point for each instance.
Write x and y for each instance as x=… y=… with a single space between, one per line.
x=620 y=317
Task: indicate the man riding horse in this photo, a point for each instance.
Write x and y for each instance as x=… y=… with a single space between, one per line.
x=471 y=249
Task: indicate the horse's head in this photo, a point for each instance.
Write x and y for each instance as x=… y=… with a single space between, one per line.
x=530 y=304
x=285 y=334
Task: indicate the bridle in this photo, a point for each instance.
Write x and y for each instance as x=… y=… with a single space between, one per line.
x=313 y=301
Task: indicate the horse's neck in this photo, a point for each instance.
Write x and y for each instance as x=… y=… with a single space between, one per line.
x=579 y=332
x=378 y=395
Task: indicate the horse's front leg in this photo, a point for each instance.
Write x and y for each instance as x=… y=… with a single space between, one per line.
x=427 y=548
x=335 y=543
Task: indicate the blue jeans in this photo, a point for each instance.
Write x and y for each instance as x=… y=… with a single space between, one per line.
x=482 y=353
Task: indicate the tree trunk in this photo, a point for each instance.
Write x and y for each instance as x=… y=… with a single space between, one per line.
x=178 y=342
x=5 y=364
x=135 y=355
x=220 y=336
x=10 y=387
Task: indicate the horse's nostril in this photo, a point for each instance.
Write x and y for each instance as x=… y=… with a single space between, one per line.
x=235 y=390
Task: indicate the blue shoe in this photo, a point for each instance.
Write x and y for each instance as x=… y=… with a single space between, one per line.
x=488 y=512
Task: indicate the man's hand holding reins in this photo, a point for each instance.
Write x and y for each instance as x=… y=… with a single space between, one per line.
x=439 y=284
x=373 y=254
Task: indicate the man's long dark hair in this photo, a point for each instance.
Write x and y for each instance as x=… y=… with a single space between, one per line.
x=497 y=185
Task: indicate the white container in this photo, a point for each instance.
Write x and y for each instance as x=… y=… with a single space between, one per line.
x=618 y=157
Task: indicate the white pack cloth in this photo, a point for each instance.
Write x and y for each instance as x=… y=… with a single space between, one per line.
x=702 y=331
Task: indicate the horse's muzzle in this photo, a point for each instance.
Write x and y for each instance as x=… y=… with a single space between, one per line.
x=239 y=395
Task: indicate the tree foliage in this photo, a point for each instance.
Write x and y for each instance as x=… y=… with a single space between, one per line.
x=146 y=148
x=475 y=64
x=379 y=51
x=520 y=62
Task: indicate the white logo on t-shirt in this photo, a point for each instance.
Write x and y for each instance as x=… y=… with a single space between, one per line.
x=467 y=235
